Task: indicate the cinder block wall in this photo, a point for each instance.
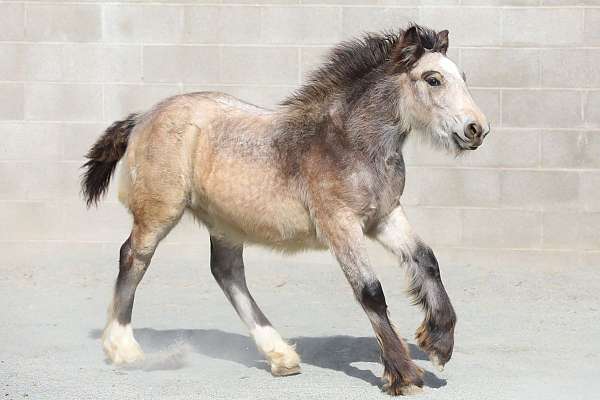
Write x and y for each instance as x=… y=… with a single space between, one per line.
x=530 y=196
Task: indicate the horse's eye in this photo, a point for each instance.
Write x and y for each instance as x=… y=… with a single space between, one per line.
x=433 y=81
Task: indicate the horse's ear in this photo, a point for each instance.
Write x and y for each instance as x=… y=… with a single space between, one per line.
x=408 y=50
x=441 y=44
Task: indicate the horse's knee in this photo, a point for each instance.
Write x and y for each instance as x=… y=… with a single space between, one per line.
x=144 y=244
x=125 y=255
x=133 y=261
x=372 y=297
x=151 y=223
x=423 y=256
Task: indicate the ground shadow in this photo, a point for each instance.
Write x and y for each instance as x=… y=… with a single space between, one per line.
x=331 y=352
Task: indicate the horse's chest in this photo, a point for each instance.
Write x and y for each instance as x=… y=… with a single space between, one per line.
x=388 y=188
x=388 y=197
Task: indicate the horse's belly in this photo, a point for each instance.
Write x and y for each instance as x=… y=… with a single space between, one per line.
x=249 y=202
x=277 y=223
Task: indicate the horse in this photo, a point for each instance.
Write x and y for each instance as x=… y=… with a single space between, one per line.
x=323 y=170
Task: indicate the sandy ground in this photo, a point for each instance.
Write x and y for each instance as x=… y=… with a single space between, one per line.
x=522 y=333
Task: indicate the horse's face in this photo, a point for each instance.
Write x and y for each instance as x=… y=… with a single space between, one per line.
x=442 y=105
x=437 y=102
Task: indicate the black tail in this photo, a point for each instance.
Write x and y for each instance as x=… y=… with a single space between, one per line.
x=103 y=158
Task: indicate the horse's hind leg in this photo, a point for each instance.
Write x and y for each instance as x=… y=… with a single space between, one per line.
x=148 y=229
x=227 y=266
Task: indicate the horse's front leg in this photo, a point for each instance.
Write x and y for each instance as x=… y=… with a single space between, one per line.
x=436 y=334
x=346 y=239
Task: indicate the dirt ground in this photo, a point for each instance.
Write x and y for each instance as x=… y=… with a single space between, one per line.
x=522 y=333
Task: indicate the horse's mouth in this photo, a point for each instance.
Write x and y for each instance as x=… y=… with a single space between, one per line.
x=463 y=144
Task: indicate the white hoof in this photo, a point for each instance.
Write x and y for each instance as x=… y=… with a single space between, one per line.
x=119 y=344
x=282 y=357
x=284 y=361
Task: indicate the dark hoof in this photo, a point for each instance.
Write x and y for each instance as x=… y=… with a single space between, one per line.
x=406 y=380
x=402 y=390
x=437 y=342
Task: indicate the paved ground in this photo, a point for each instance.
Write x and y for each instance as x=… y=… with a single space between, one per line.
x=522 y=333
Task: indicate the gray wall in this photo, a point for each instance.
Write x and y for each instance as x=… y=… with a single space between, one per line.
x=529 y=196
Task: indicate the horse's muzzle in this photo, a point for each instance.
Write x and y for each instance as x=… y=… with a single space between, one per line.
x=473 y=136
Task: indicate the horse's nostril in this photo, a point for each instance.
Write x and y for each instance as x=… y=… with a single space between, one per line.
x=473 y=130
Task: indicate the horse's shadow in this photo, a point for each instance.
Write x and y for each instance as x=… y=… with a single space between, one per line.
x=166 y=349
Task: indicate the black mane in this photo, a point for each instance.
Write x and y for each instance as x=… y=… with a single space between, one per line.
x=352 y=60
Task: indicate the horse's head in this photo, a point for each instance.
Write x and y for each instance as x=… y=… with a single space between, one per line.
x=435 y=99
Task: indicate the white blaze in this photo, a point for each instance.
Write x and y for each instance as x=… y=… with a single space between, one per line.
x=450 y=67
